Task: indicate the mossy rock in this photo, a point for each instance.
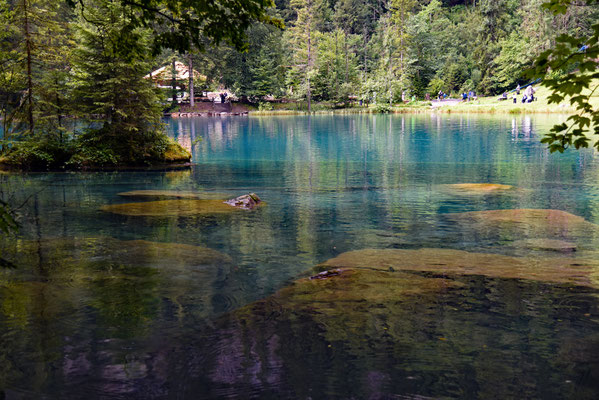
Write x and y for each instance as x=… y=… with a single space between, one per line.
x=172 y=208
x=175 y=153
x=477 y=188
x=170 y=194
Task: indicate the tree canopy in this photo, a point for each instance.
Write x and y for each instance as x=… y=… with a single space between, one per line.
x=182 y=23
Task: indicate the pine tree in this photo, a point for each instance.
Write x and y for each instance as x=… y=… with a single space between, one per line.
x=111 y=61
x=301 y=39
x=33 y=73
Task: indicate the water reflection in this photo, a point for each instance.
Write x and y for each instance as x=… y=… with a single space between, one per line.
x=193 y=305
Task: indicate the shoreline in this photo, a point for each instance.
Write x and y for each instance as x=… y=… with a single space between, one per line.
x=8 y=168
x=453 y=107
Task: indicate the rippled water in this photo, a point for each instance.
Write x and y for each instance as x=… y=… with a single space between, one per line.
x=101 y=305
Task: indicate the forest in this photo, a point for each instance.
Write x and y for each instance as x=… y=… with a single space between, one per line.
x=65 y=64
x=380 y=50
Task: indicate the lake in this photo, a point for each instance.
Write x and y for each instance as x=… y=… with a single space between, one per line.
x=462 y=255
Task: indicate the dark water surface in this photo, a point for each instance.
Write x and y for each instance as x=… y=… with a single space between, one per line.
x=103 y=305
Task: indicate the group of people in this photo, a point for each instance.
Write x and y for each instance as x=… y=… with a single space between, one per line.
x=529 y=94
x=527 y=97
x=471 y=95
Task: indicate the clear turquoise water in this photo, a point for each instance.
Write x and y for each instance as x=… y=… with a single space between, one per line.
x=332 y=184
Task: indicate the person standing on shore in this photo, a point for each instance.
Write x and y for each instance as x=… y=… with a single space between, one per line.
x=530 y=94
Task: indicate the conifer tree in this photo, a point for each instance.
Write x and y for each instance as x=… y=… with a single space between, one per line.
x=35 y=50
x=302 y=41
x=111 y=60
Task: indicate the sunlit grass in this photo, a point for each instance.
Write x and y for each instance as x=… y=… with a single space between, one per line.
x=492 y=104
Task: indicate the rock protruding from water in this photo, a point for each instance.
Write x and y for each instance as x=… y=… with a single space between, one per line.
x=246 y=202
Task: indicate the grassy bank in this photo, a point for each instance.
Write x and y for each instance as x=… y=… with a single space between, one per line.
x=494 y=105
x=489 y=105
x=324 y=109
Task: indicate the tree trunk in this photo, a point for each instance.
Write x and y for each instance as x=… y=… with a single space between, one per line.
x=336 y=67
x=309 y=94
x=174 y=81
x=346 y=58
x=29 y=79
x=191 y=92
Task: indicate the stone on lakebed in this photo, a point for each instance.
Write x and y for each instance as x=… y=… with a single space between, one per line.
x=477 y=188
x=185 y=207
x=576 y=271
x=531 y=223
x=170 y=194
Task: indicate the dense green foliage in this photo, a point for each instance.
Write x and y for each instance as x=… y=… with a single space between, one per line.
x=384 y=51
x=182 y=24
x=571 y=71
x=85 y=61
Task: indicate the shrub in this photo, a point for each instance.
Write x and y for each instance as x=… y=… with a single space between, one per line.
x=383 y=108
x=265 y=106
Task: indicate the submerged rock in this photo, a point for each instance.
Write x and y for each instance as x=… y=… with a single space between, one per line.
x=247 y=201
x=575 y=271
x=171 y=208
x=160 y=194
x=124 y=282
x=345 y=300
x=525 y=215
x=109 y=251
x=184 y=204
x=477 y=188
x=170 y=194
x=530 y=223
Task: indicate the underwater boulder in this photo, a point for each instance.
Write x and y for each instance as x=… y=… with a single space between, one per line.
x=529 y=223
x=576 y=271
x=345 y=299
x=170 y=194
x=126 y=282
x=171 y=208
x=160 y=194
x=477 y=188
